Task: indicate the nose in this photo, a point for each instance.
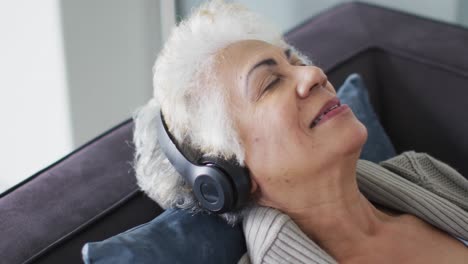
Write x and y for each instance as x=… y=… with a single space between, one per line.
x=309 y=78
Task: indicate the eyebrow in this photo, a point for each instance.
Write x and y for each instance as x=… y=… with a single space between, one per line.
x=267 y=62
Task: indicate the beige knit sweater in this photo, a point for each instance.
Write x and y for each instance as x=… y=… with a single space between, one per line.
x=414 y=183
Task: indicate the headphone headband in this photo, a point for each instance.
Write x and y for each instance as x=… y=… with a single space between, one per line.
x=173 y=154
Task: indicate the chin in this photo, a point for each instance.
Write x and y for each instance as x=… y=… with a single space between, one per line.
x=359 y=138
x=352 y=139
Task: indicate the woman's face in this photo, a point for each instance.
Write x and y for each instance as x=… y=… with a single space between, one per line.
x=274 y=100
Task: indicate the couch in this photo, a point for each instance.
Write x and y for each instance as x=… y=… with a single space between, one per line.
x=416 y=71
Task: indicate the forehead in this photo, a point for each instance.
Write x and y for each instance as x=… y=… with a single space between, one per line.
x=236 y=59
x=242 y=52
x=249 y=47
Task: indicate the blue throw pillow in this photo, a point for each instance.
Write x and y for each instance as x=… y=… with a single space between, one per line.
x=378 y=147
x=176 y=236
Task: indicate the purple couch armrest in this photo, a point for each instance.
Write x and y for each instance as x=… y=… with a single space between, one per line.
x=67 y=196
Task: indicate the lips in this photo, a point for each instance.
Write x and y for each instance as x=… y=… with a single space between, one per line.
x=326 y=108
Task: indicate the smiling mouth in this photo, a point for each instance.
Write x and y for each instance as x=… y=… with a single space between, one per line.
x=330 y=106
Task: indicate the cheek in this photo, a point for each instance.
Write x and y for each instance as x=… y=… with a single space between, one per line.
x=268 y=146
x=330 y=88
x=270 y=132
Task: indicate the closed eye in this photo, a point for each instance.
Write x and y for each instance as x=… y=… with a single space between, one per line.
x=272 y=83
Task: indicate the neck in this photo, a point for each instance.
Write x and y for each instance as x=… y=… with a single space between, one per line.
x=340 y=216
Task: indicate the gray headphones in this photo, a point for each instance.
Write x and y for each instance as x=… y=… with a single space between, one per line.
x=219 y=185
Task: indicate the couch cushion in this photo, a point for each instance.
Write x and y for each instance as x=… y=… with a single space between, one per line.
x=176 y=236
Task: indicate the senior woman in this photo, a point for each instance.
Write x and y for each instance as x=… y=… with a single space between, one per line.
x=228 y=86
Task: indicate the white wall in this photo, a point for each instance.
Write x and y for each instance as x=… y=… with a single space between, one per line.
x=462 y=16
x=110 y=47
x=70 y=69
x=34 y=111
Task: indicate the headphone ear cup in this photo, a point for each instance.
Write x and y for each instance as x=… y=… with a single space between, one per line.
x=213 y=189
x=237 y=175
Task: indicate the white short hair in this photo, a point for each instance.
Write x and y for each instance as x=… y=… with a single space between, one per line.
x=192 y=100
